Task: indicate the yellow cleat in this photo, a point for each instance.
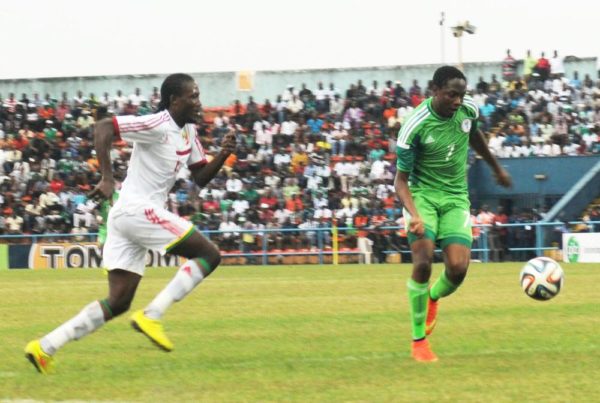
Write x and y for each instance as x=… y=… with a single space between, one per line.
x=43 y=362
x=152 y=328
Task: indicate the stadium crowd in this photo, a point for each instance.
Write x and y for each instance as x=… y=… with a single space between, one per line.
x=305 y=158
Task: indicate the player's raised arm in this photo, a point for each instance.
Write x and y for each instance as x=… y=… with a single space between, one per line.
x=477 y=141
x=104 y=133
x=204 y=174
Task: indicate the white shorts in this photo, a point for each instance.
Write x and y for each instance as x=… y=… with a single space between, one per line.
x=135 y=229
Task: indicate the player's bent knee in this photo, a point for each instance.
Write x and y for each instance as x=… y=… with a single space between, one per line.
x=212 y=255
x=422 y=266
x=119 y=309
x=457 y=271
x=119 y=306
x=216 y=260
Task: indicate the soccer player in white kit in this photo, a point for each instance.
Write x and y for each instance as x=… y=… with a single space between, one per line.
x=162 y=143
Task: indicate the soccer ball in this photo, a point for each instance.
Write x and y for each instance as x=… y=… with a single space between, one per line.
x=542 y=278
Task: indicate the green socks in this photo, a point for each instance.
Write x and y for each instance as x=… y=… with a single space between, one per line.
x=417 y=299
x=442 y=287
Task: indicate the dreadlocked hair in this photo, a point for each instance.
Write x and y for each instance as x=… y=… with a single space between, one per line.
x=173 y=85
x=446 y=73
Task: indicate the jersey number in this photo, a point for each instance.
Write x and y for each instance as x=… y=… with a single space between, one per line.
x=450 y=151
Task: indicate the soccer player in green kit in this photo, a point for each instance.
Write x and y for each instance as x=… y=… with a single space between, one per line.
x=105 y=206
x=431 y=182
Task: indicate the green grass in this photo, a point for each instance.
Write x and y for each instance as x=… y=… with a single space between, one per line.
x=310 y=333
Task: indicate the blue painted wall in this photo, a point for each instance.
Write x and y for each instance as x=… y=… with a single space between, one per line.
x=561 y=174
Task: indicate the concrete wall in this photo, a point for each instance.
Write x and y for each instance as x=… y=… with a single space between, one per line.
x=219 y=89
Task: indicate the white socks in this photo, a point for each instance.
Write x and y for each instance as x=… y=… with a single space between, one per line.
x=91 y=317
x=85 y=322
x=188 y=276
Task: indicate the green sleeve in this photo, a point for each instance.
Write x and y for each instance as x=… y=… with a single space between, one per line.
x=474 y=127
x=406 y=154
x=406 y=159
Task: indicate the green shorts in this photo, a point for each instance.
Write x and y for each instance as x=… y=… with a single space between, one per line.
x=447 y=217
x=102 y=234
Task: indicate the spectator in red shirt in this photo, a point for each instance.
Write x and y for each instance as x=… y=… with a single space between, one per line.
x=268 y=199
x=265 y=214
x=542 y=67
x=294 y=203
x=500 y=219
x=57 y=185
x=62 y=111
x=416 y=99
x=210 y=205
x=20 y=141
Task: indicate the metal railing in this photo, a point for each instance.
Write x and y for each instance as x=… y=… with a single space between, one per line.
x=323 y=241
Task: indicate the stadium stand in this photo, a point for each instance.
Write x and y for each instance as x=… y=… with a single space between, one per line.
x=306 y=158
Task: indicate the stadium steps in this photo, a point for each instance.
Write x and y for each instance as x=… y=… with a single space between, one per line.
x=584 y=192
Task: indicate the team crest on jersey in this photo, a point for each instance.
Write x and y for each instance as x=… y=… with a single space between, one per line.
x=185 y=135
x=466 y=125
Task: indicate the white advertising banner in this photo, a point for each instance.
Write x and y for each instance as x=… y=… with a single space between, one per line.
x=581 y=248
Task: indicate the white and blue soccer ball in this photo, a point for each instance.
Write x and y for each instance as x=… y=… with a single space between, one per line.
x=542 y=278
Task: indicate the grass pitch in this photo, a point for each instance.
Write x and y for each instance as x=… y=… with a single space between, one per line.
x=309 y=333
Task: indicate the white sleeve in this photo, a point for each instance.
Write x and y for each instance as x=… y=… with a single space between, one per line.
x=197 y=156
x=141 y=129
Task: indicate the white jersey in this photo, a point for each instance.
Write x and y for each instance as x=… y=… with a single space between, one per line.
x=160 y=149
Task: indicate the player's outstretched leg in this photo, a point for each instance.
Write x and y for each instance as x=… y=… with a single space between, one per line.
x=152 y=328
x=421 y=351
x=40 y=352
x=457 y=262
x=122 y=286
x=417 y=295
x=441 y=288
x=42 y=361
x=432 y=306
x=147 y=321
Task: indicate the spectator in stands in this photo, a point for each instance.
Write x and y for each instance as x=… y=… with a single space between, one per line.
x=494 y=86
x=136 y=98
x=338 y=138
x=11 y=157
x=518 y=120
x=509 y=67
x=289 y=93
x=557 y=68
x=234 y=183
x=476 y=232
x=11 y=103
x=299 y=160
x=488 y=220
x=529 y=64
x=79 y=233
x=294 y=105
x=86 y=120
x=542 y=67
x=483 y=85
x=14 y=224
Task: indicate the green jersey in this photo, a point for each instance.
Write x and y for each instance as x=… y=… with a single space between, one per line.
x=106 y=205
x=434 y=149
x=104 y=209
